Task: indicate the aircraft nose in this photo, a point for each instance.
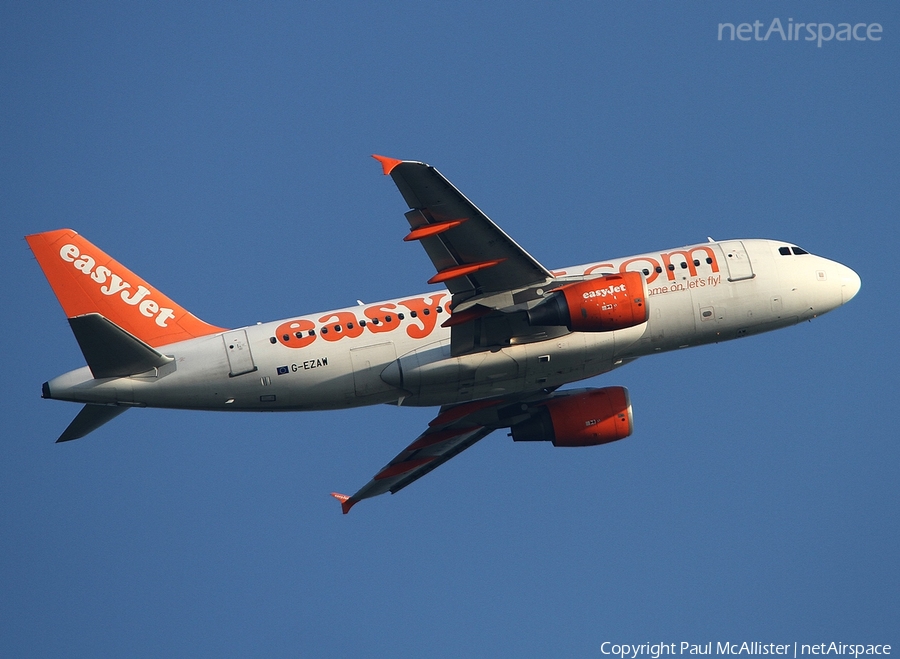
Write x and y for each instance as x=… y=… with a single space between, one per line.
x=850 y=284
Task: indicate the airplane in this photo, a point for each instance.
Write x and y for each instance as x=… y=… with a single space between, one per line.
x=491 y=349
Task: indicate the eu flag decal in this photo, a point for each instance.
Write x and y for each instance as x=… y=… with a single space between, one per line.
x=282 y=370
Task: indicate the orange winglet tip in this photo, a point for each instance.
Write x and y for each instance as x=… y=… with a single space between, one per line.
x=387 y=164
x=346 y=502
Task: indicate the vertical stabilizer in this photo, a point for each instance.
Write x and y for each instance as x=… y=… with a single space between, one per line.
x=86 y=281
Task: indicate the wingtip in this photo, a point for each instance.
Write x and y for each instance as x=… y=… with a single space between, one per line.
x=346 y=502
x=387 y=164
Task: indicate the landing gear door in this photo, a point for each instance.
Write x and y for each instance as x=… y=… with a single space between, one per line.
x=737 y=260
x=237 y=347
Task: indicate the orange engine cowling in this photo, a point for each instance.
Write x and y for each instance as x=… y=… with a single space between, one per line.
x=588 y=418
x=601 y=304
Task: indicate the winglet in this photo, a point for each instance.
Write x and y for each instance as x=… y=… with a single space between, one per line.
x=346 y=502
x=387 y=164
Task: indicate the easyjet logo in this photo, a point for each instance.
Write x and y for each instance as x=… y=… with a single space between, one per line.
x=417 y=315
x=111 y=284
x=603 y=292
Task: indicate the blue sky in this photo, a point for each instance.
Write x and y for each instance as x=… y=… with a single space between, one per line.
x=221 y=151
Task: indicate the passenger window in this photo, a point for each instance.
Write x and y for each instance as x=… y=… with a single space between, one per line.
x=683 y=265
x=658 y=269
x=272 y=339
x=696 y=262
x=671 y=266
x=646 y=272
x=413 y=314
x=709 y=260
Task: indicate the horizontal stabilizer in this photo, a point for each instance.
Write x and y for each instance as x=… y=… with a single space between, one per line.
x=89 y=419
x=110 y=351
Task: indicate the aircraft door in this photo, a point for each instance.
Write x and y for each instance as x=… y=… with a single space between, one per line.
x=737 y=260
x=237 y=347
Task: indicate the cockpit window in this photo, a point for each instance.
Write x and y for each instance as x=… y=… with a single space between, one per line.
x=786 y=251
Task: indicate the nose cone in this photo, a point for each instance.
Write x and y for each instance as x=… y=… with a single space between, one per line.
x=850 y=284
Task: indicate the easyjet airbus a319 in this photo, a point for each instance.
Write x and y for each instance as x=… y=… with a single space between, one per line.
x=492 y=350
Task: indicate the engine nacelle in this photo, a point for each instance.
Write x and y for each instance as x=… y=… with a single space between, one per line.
x=601 y=304
x=589 y=418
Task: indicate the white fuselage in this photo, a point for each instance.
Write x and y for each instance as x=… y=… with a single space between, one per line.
x=396 y=351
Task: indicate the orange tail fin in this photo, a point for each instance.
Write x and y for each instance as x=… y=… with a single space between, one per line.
x=86 y=280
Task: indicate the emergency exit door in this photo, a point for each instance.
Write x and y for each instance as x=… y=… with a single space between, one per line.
x=237 y=347
x=737 y=260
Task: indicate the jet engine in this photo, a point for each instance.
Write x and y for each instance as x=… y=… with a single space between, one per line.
x=609 y=302
x=586 y=418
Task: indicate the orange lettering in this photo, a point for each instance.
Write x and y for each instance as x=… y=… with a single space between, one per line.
x=688 y=260
x=382 y=318
x=339 y=324
x=654 y=264
x=425 y=312
x=597 y=266
x=295 y=333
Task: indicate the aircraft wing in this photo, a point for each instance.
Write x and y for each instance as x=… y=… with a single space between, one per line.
x=492 y=278
x=471 y=254
x=452 y=431
x=430 y=450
